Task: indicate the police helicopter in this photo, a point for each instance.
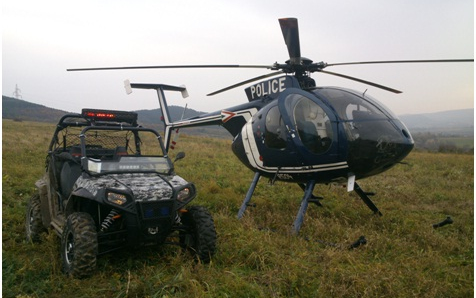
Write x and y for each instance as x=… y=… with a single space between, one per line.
x=294 y=131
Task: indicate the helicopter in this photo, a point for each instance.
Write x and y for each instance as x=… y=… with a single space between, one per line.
x=292 y=130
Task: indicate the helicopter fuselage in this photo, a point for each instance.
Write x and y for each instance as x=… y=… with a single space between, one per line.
x=325 y=134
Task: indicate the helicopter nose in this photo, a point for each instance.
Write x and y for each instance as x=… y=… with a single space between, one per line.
x=376 y=148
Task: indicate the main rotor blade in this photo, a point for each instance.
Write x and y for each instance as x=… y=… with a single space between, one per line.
x=362 y=81
x=402 y=61
x=289 y=27
x=172 y=66
x=246 y=82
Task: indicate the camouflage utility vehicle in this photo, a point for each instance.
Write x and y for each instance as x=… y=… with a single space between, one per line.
x=109 y=183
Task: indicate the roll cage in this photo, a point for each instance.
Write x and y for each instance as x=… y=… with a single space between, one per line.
x=104 y=142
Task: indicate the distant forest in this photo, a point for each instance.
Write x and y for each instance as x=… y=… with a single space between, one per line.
x=433 y=142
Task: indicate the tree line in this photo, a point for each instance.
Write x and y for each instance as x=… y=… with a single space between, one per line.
x=443 y=143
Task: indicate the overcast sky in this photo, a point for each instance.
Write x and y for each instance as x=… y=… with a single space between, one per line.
x=41 y=39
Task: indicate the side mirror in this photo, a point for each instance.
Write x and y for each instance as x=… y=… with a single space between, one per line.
x=179 y=156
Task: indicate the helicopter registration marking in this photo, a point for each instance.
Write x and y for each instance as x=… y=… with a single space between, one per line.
x=268 y=87
x=284 y=177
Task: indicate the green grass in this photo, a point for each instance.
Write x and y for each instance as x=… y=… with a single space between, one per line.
x=257 y=256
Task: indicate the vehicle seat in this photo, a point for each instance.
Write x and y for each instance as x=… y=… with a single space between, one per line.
x=307 y=132
x=68 y=176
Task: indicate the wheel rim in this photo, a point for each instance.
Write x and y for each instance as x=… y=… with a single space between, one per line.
x=69 y=249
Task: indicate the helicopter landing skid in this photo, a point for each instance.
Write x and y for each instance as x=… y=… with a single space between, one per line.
x=365 y=197
x=249 y=194
x=307 y=198
x=313 y=198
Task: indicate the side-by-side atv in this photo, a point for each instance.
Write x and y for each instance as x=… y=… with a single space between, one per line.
x=109 y=184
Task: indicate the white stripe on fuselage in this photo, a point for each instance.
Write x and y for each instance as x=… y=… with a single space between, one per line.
x=249 y=143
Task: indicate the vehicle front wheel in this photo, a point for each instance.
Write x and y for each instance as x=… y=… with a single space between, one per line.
x=33 y=222
x=199 y=235
x=79 y=245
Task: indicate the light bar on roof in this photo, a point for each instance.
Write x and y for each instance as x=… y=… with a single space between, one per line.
x=109 y=115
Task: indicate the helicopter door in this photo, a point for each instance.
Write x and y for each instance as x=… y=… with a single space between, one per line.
x=309 y=122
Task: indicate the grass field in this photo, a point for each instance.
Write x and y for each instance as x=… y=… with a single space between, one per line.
x=257 y=257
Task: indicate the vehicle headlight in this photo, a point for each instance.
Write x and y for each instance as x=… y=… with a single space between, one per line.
x=183 y=194
x=116 y=198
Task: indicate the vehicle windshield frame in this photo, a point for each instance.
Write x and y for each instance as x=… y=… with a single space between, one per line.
x=129 y=165
x=132 y=160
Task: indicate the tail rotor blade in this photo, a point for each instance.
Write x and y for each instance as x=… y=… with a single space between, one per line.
x=289 y=27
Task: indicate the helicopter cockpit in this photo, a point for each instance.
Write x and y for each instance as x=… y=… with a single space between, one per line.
x=297 y=129
x=376 y=139
x=306 y=117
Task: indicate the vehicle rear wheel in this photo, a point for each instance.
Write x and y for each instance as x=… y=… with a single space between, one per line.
x=33 y=222
x=200 y=234
x=79 y=245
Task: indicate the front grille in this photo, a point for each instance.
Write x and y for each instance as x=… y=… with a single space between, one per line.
x=157 y=210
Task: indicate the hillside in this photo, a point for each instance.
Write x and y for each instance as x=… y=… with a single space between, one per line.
x=455 y=122
x=21 y=110
x=17 y=109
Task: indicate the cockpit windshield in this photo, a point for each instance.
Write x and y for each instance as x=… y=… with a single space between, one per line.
x=351 y=107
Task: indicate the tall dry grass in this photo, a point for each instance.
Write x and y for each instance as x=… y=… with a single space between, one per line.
x=257 y=256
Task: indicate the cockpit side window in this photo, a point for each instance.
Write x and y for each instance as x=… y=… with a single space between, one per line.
x=275 y=132
x=313 y=125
